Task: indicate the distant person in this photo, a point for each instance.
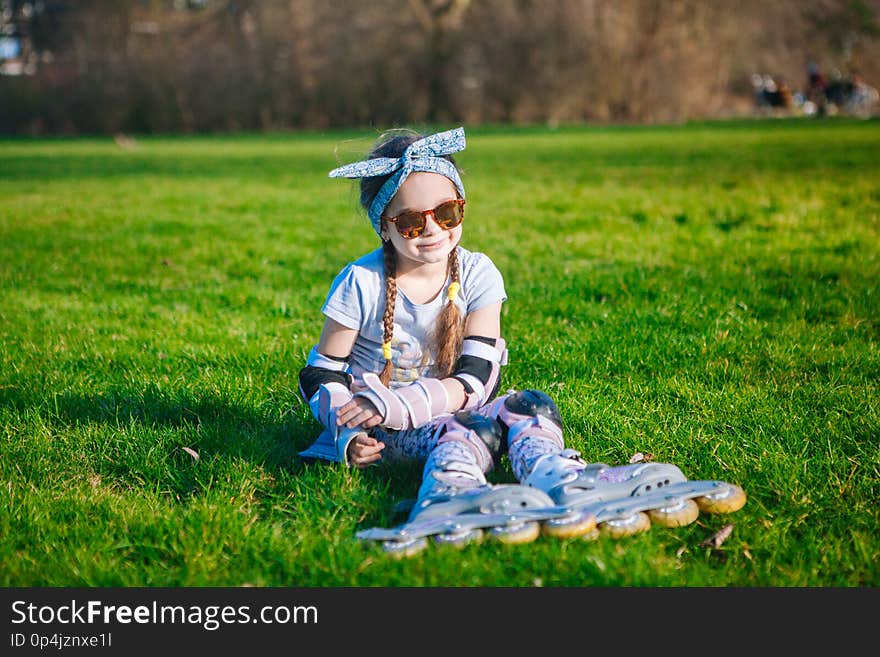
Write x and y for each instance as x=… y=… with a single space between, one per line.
x=816 y=81
x=409 y=360
x=816 y=88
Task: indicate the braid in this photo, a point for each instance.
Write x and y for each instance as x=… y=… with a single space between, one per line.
x=449 y=329
x=388 y=317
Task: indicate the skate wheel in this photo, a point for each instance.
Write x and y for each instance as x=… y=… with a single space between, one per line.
x=678 y=514
x=523 y=532
x=727 y=500
x=626 y=526
x=401 y=549
x=459 y=539
x=591 y=535
x=576 y=524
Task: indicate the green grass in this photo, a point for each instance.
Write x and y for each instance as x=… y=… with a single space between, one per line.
x=707 y=293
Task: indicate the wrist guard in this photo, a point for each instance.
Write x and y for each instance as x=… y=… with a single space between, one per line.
x=322 y=370
x=332 y=443
x=406 y=407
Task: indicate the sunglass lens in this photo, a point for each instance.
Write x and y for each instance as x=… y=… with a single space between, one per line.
x=411 y=224
x=449 y=214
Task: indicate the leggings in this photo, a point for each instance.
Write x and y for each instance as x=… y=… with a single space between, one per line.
x=421 y=444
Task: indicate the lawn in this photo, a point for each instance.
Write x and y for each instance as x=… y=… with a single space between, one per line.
x=706 y=294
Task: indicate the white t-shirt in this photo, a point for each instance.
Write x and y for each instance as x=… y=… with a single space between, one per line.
x=357 y=301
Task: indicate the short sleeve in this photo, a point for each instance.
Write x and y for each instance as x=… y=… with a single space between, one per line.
x=483 y=283
x=344 y=300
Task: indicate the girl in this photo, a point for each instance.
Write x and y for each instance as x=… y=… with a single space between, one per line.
x=409 y=358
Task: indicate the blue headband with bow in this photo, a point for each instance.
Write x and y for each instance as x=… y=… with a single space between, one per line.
x=422 y=155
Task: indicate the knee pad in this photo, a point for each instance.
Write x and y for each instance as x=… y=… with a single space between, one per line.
x=526 y=413
x=531 y=403
x=482 y=434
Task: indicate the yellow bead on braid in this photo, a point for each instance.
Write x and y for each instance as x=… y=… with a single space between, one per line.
x=386 y=350
x=454 y=287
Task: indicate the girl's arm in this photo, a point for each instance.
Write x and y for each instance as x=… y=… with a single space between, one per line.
x=327 y=361
x=336 y=340
x=485 y=322
x=335 y=345
x=473 y=382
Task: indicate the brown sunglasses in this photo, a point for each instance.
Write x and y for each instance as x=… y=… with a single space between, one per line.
x=411 y=223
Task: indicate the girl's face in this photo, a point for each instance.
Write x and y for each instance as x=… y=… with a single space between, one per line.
x=422 y=191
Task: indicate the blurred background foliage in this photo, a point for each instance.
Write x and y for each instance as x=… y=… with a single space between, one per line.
x=159 y=66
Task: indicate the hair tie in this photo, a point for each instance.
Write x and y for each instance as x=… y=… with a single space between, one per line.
x=454 y=287
x=386 y=350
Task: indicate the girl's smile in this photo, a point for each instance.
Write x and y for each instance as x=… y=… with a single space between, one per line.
x=422 y=191
x=435 y=243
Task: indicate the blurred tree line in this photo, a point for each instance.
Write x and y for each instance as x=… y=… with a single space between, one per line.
x=106 y=66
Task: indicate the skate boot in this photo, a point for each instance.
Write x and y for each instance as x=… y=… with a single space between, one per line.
x=532 y=425
x=456 y=506
x=626 y=499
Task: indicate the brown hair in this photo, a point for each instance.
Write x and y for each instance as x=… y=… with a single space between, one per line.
x=448 y=331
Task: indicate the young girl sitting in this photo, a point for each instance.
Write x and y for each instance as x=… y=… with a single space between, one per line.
x=408 y=362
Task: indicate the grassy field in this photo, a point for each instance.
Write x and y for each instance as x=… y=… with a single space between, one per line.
x=705 y=293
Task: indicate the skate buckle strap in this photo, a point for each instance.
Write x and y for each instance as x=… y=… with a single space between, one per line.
x=566 y=477
x=572 y=454
x=527 y=426
x=451 y=430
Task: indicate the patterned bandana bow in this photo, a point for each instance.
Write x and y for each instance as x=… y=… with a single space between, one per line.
x=422 y=155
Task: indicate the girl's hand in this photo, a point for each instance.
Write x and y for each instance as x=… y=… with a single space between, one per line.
x=364 y=450
x=358 y=412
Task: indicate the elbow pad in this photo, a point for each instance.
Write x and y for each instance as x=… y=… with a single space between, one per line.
x=322 y=370
x=478 y=369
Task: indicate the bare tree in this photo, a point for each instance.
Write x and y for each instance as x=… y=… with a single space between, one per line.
x=212 y=65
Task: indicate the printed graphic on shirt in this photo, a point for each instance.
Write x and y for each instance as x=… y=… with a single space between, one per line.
x=410 y=356
x=357 y=301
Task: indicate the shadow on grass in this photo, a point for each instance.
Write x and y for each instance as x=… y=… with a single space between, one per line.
x=149 y=434
x=271 y=436
x=145 y=436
